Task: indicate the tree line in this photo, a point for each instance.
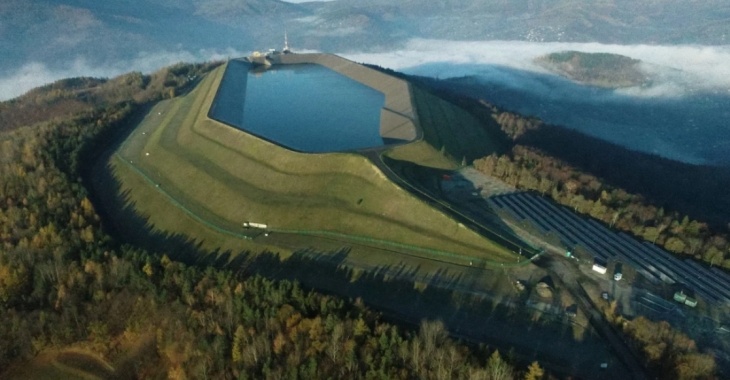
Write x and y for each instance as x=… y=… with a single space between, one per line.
x=65 y=282
x=682 y=207
x=668 y=353
x=529 y=168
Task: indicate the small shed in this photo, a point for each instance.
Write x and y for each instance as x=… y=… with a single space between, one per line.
x=599 y=268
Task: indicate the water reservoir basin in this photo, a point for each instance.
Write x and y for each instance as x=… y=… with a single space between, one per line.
x=304 y=107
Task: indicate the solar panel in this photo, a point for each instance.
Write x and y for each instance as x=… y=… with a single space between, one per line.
x=604 y=243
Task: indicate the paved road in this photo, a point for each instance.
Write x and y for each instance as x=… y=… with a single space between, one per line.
x=563 y=273
x=465 y=216
x=566 y=276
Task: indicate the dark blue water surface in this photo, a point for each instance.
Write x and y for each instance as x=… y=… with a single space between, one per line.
x=308 y=107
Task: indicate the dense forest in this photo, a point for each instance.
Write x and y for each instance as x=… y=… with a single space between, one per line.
x=654 y=214
x=65 y=283
x=596 y=69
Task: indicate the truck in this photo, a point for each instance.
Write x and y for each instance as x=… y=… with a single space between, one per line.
x=617 y=272
x=262 y=226
x=683 y=299
x=599 y=268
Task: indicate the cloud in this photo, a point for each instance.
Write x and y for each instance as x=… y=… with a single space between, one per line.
x=677 y=70
x=682 y=115
x=34 y=74
x=656 y=119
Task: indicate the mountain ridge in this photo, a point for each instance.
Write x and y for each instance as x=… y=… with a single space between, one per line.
x=119 y=29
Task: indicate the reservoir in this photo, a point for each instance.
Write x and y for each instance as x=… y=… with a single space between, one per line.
x=304 y=107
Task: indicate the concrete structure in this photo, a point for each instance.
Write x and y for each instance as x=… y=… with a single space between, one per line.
x=259 y=59
x=543 y=290
x=617 y=272
x=286 y=49
x=683 y=299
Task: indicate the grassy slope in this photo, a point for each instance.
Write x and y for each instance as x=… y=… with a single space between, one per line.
x=450 y=135
x=83 y=363
x=224 y=177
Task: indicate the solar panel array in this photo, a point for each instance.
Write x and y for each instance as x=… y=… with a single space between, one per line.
x=604 y=244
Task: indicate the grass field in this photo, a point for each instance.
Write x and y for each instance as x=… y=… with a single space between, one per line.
x=83 y=361
x=62 y=365
x=451 y=130
x=187 y=176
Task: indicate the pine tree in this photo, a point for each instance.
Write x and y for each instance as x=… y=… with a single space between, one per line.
x=498 y=369
x=239 y=340
x=534 y=372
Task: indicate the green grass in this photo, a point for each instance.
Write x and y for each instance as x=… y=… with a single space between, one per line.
x=452 y=131
x=66 y=364
x=212 y=177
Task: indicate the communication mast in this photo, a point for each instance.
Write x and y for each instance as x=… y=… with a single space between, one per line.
x=286 y=44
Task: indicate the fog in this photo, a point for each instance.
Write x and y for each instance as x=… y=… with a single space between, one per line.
x=676 y=70
x=681 y=115
x=34 y=74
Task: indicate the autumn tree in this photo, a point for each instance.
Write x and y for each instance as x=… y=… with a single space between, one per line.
x=534 y=372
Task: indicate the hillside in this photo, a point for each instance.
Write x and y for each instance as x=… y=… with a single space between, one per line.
x=338 y=195
x=77 y=303
x=596 y=69
x=680 y=206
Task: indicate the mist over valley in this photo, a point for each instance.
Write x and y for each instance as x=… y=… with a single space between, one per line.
x=680 y=114
x=487 y=49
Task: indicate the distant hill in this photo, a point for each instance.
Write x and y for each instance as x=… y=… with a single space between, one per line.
x=596 y=69
x=67 y=29
x=607 y=21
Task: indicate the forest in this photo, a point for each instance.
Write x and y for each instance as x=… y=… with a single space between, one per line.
x=66 y=283
x=596 y=69
x=681 y=207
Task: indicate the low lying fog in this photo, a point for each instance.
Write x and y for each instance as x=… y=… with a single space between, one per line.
x=676 y=70
x=34 y=74
x=682 y=115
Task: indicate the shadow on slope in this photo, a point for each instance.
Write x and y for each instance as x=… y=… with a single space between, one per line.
x=699 y=191
x=403 y=292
